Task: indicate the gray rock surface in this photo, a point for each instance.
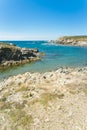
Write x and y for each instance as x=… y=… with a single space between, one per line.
x=13 y=55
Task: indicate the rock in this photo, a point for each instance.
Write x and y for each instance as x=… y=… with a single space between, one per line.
x=36 y=121
x=73 y=40
x=51 y=41
x=12 y=55
x=47 y=120
x=32 y=102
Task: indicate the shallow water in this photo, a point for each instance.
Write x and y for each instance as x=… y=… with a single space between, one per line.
x=56 y=56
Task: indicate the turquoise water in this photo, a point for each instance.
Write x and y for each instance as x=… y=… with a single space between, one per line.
x=56 y=56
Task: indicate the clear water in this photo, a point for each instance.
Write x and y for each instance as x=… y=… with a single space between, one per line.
x=56 y=56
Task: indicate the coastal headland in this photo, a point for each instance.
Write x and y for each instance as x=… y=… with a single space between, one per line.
x=54 y=100
x=72 y=40
x=12 y=55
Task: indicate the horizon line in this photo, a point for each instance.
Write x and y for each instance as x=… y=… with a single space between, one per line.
x=25 y=40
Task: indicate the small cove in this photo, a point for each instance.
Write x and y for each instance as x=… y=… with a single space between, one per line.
x=55 y=56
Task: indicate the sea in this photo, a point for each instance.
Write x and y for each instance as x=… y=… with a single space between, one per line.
x=56 y=56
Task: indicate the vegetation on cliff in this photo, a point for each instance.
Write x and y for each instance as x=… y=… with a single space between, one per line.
x=78 y=38
x=73 y=40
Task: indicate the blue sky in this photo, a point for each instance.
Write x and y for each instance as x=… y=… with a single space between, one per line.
x=42 y=19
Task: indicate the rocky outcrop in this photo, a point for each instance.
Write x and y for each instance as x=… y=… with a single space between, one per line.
x=73 y=40
x=51 y=41
x=49 y=101
x=12 y=55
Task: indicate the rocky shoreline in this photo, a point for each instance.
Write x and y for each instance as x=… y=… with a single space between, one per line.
x=11 y=55
x=54 y=100
x=72 y=40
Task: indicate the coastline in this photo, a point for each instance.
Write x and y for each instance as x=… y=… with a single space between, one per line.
x=12 y=55
x=43 y=65
x=54 y=99
x=72 y=41
x=50 y=100
x=13 y=63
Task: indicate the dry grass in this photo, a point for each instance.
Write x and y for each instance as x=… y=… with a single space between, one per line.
x=77 y=38
x=21 y=88
x=18 y=105
x=21 y=118
x=47 y=97
x=73 y=88
x=5 y=105
x=85 y=91
x=33 y=102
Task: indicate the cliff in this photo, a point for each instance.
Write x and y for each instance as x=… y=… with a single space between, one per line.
x=11 y=55
x=73 y=40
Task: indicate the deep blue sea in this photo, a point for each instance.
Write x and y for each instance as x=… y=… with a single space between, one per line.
x=55 y=56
